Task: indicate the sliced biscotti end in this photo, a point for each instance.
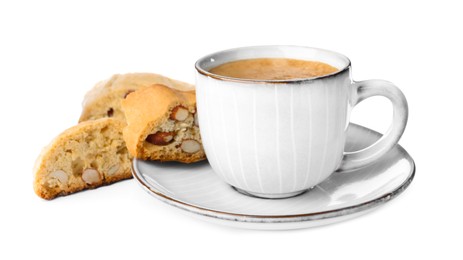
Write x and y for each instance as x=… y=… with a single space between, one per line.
x=85 y=156
x=104 y=99
x=162 y=125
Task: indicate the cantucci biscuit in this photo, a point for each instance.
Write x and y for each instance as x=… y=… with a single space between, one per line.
x=85 y=156
x=104 y=99
x=162 y=125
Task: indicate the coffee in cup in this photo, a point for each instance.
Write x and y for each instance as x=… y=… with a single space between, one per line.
x=273 y=69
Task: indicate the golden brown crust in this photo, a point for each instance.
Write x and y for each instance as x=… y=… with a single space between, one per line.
x=45 y=194
x=103 y=100
x=96 y=144
x=148 y=111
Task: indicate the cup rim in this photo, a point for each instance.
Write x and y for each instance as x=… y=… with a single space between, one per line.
x=296 y=80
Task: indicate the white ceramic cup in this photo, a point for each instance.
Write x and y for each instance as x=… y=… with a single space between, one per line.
x=279 y=138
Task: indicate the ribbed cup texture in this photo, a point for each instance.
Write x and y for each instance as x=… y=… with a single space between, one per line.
x=274 y=138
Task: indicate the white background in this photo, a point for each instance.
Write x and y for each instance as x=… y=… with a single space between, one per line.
x=52 y=52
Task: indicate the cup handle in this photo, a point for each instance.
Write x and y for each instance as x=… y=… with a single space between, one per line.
x=366 y=89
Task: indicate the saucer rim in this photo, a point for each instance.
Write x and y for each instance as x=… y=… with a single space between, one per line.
x=320 y=215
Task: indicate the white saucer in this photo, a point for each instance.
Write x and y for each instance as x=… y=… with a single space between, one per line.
x=197 y=190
